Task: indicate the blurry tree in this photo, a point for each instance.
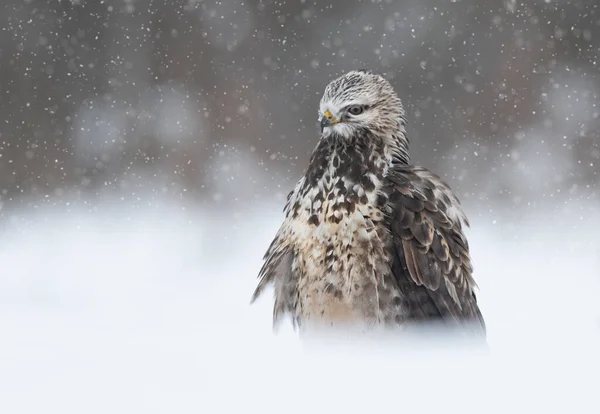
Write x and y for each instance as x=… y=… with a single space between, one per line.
x=216 y=100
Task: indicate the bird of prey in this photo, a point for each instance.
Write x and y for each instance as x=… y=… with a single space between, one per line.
x=368 y=239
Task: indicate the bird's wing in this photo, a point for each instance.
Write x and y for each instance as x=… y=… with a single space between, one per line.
x=433 y=266
x=277 y=270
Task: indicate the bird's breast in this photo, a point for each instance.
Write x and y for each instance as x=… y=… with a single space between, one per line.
x=341 y=247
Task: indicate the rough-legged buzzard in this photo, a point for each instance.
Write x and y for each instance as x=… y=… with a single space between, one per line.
x=369 y=239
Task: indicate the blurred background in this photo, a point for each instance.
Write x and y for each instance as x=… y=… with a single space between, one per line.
x=147 y=146
x=217 y=100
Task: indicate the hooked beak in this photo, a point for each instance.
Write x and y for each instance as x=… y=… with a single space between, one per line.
x=328 y=120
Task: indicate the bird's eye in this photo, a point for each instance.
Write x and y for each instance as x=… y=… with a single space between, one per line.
x=356 y=109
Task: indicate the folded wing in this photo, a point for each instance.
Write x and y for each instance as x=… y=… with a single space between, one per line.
x=432 y=267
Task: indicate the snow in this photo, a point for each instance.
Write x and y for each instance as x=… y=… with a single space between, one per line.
x=147 y=310
x=146 y=149
x=98 y=132
x=228 y=24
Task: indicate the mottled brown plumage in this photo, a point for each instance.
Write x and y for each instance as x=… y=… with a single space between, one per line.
x=368 y=239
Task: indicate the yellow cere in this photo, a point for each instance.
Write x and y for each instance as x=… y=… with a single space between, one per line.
x=329 y=116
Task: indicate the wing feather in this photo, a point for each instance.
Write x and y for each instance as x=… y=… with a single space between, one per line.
x=278 y=268
x=426 y=223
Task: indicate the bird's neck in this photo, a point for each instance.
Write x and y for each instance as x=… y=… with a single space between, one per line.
x=394 y=144
x=397 y=141
x=398 y=146
x=355 y=156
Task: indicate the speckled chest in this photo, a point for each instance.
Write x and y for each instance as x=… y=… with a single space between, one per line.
x=338 y=227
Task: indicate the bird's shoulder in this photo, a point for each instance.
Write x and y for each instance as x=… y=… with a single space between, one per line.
x=423 y=190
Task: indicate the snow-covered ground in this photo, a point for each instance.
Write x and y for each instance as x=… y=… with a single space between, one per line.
x=147 y=311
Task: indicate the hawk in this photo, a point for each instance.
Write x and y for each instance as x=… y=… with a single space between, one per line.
x=368 y=239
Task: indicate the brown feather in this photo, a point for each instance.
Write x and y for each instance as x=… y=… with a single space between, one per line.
x=423 y=232
x=411 y=203
x=414 y=271
x=439 y=247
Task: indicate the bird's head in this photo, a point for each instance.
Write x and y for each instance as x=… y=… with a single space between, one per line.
x=361 y=101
